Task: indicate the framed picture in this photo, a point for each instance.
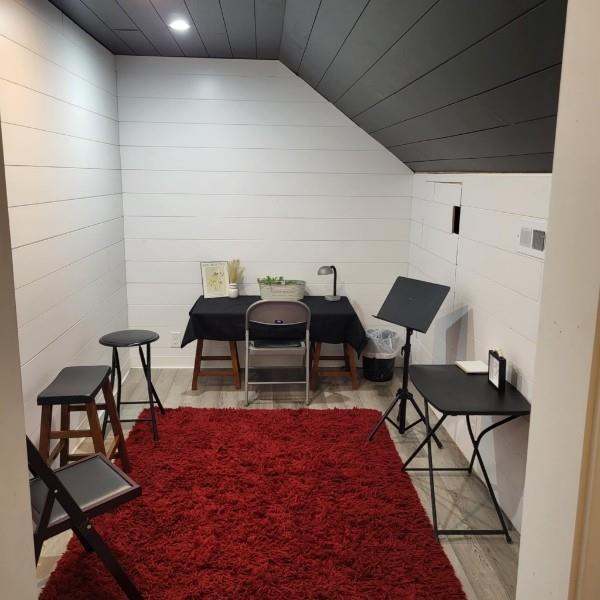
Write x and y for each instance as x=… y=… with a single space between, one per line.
x=215 y=279
x=497 y=370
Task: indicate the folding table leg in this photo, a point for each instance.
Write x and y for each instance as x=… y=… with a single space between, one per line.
x=430 y=434
x=476 y=454
x=430 y=465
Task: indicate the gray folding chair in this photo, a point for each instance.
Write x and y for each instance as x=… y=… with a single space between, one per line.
x=70 y=497
x=274 y=326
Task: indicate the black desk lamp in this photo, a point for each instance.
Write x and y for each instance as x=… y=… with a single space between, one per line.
x=328 y=270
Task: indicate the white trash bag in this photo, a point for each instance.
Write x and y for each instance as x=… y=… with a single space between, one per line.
x=382 y=344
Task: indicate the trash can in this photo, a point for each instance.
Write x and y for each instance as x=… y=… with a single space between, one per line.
x=379 y=356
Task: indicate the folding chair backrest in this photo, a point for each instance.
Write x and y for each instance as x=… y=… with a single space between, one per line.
x=277 y=319
x=39 y=468
x=80 y=490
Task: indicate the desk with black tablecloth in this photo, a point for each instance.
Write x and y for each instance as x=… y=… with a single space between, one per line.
x=224 y=319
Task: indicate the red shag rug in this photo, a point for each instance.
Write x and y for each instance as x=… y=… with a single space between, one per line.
x=265 y=505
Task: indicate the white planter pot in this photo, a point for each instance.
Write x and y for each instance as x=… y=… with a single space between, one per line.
x=232 y=290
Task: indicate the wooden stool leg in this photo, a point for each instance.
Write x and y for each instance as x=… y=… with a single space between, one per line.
x=235 y=364
x=45 y=427
x=115 y=425
x=197 y=363
x=65 y=425
x=314 y=379
x=349 y=352
x=95 y=429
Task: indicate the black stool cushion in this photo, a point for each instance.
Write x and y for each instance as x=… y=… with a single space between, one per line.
x=128 y=338
x=74 y=385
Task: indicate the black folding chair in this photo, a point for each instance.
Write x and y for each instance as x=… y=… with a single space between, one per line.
x=70 y=496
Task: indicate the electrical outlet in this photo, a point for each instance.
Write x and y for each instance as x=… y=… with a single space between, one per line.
x=175 y=339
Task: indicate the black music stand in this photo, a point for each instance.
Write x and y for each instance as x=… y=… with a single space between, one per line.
x=412 y=304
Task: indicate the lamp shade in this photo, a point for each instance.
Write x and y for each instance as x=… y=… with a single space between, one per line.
x=328 y=270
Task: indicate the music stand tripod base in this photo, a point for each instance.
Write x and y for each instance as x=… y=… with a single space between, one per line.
x=412 y=304
x=403 y=396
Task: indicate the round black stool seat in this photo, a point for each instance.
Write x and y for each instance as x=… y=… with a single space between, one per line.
x=128 y=338
x=131 y=338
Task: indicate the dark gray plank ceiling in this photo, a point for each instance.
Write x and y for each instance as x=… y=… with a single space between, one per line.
x=446 y=85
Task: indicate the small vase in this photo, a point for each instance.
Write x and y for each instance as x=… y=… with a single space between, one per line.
x=232 y=290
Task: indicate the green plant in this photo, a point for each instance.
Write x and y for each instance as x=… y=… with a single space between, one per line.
x=268 y=280
x=235 y=271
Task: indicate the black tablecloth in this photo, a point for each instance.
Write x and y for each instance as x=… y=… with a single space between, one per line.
x=224 y=319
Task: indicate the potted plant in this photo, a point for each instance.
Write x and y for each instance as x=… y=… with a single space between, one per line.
x=235 y=272
x=279 y=288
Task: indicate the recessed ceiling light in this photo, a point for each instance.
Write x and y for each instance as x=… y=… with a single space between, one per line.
x=179 y=25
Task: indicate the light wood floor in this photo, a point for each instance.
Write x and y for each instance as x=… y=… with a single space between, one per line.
x=486 y=566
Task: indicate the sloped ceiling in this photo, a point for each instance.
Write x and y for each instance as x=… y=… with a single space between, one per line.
x=446 y=85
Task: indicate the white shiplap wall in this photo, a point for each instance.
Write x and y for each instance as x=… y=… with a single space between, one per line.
x=495 y=295
x=242 y=159
x=58 y=109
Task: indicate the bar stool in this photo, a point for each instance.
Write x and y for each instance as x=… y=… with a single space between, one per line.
x=75 y=390
x=130 y=338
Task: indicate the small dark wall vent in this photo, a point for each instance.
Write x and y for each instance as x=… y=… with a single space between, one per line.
x=456 y=219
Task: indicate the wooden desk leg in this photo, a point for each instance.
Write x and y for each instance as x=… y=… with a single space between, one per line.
x=197 y=363
x=349 y=352
x=235 y=365
x=115 y=425
x=314 y=378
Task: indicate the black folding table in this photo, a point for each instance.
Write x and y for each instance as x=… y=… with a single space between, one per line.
x=454 y=393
